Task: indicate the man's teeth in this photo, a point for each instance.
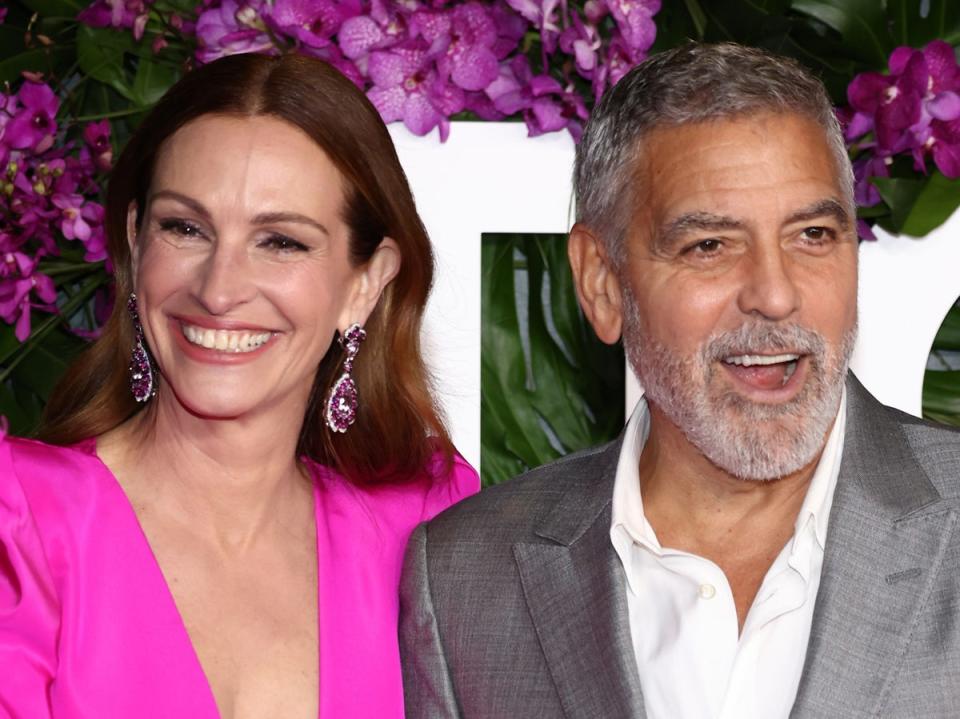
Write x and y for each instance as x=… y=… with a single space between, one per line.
x=225 y=340
x=762 y=360
x=751 y=360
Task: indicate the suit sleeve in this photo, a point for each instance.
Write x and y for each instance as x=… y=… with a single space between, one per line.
x=427 y=686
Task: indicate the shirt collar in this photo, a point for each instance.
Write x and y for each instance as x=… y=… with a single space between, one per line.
x=629 y=523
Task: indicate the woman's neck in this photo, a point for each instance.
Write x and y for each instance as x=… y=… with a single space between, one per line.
x=231 y=479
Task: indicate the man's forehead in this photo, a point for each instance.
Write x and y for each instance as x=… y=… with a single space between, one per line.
x=737 y=166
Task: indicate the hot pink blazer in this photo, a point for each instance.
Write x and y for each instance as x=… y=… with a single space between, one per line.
x=88 y=627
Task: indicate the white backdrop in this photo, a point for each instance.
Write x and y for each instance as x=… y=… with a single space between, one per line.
x=490 y=177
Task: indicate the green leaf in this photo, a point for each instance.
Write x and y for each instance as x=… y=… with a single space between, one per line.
x=152 y=80
x=697 y=16
x=101 y=55
x=11 y=40
x=948 y=337
x=935 y=204
x=48 y=361
x=55 y=8
x=547 y=392
x=861 y=23
x=47 y=60
x=900 y=194
x=941 y=396
x=909 y=27
x=21 y=420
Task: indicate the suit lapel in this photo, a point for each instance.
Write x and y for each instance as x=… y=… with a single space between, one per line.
x=887 y=535
x=575 y=590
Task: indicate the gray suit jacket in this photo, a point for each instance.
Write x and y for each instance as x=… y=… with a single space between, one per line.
x=513 y=603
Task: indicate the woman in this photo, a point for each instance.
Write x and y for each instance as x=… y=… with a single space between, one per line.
x=214 y=508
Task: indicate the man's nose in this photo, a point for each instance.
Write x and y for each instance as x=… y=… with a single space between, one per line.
x=226 y=278
x=769 y=289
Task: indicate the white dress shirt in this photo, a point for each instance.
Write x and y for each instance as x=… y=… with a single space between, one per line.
x=692 y=661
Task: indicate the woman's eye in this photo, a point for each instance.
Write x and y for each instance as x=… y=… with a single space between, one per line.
x=283 y=244
x=182 y=228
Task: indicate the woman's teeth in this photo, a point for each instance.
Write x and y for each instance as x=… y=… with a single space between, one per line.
x=225 y=340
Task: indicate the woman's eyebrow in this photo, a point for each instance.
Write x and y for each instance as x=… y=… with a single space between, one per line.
x=270 y=218
x=264 y=218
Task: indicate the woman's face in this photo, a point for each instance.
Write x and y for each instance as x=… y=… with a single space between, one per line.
x=242 y=268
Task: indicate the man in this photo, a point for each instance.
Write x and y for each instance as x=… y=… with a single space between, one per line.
x=764 y=539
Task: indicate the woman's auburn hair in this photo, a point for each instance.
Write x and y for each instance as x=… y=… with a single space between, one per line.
x=399 y=427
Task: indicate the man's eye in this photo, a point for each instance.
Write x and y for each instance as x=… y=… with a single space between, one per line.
x=704 y=247
x=182 y=228
x=283 y=243
x=818 y=235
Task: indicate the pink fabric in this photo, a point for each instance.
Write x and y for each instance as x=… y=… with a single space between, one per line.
x=88 y=627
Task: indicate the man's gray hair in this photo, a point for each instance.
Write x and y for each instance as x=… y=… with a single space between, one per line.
x=688 y=84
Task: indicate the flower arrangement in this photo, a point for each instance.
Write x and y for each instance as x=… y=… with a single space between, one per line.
x=76 y=76
x=912 y=111
x=423 y=63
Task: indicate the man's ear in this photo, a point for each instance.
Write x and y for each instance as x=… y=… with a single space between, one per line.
x=596 y=282
x=132 y=236
x=375 y=275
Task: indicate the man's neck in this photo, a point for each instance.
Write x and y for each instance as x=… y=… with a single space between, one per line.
x=694 y=506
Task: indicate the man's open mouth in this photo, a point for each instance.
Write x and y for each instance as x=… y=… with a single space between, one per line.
x=764 y=371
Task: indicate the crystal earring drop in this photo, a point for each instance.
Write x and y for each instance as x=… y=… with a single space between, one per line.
x=142 y=382
x=342 y=402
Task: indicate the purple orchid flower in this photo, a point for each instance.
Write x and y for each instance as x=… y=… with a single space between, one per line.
x=545 y=104
x=97 y=137
x=3 y=14
x=385 y=26
x=582 y=41
x=634 y=18
x=916 y=108
x=312 y=22
x=16 y=303
x=128 y=14
x=462 y=41
x=542 y=14
x=34 y=126
x=232 y=28
x=407 y=87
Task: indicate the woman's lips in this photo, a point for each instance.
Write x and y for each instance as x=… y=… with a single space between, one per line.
x=219 y=345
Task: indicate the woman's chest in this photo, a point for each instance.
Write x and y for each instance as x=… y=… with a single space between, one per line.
x=253 y=625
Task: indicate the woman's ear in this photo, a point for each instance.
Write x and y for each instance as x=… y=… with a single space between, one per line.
x=372 y=280
x=596 y=282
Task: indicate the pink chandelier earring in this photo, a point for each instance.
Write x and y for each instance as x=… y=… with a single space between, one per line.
x=142 y=375
x=342 y=402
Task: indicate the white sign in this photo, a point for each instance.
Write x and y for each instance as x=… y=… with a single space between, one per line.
x=490 y=177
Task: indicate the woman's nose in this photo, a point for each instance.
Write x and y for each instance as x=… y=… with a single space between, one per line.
x=226 y=278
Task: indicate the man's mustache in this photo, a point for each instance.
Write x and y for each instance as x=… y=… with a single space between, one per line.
x=764 y=338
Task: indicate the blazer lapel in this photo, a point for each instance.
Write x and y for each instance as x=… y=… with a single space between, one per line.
x=576 y=593
x=887 y=535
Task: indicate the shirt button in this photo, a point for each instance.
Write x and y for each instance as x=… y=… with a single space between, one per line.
x=707 y=591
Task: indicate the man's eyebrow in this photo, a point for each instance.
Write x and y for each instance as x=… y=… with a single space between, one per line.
x=680 y=226
x=824 y=208
x=264 y=218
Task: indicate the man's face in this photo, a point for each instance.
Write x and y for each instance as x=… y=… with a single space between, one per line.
x=740 y=287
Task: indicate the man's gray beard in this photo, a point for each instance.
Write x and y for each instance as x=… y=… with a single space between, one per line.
x=746 y=439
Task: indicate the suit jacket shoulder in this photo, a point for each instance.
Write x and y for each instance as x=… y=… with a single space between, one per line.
x=558 y=499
